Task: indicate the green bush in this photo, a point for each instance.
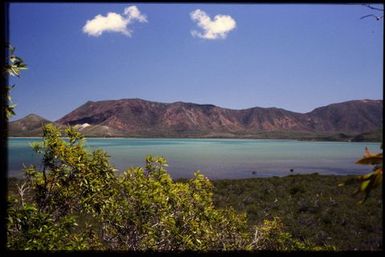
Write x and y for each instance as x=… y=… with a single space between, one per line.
x=78 y=193
x=77 y=200
x=31 y=229
x=271 y=235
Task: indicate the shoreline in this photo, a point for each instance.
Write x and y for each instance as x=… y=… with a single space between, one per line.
x=208 y=138
x=251 y=178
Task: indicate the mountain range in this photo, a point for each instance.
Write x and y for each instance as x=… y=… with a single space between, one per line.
x=357 y=119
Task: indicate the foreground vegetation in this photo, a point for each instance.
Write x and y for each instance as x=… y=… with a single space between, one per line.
x=309 y=209
x=78 y=201
x=312 y=207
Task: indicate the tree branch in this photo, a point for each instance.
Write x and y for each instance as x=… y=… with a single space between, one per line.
x=373 y=8
x=372 y=15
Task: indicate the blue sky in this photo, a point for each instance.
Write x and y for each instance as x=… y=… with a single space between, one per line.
x=296 y=57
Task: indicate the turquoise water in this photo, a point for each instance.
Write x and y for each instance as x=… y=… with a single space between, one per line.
x=218 y=158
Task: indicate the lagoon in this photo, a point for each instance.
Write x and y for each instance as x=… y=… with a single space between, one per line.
x=218 y=158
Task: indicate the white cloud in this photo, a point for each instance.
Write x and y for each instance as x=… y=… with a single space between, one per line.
x=114 y=22
x=133 y=13
x=215 y=28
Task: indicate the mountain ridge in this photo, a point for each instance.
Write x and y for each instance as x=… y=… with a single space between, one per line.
x=141 y=118
x=30 y=125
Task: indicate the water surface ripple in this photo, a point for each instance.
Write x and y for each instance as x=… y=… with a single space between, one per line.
x=217 y=158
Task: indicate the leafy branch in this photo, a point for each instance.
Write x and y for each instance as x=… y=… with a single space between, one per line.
x=14 y=66
x=371 y=180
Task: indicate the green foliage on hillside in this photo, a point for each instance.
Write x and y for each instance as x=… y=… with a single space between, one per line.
x=372 y=136
x=77 y=201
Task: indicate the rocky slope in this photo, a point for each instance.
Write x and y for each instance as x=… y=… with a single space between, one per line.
x=136 y=117
x=30 y=125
